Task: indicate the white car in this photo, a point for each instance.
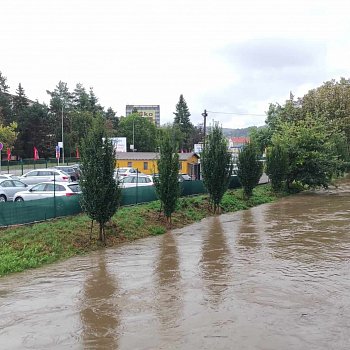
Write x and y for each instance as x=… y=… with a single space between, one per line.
x=48 y=189
x=40 y=175
x=122 y=172
x=9 y=187
x=136 y=180
x=8 y=176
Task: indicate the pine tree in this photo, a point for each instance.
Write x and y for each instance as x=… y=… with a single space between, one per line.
x=100 y=192
x=182 y=120
x=216 y=166
x=5 y=102
x=20 y=102
x=167 y=184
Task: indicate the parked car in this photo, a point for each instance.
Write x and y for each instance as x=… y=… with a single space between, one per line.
x=48 y=189
x=9 y=187
x=136 y=180
x=122 y=172
x=184 y=177
x=8 y=176
x=70 y=170
x=40 y=175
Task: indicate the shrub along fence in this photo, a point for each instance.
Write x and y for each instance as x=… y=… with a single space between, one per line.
x=16 y=213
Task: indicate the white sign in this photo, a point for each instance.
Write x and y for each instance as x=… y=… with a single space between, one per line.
x=60 y=144
x=198 y=147
x=119 y=143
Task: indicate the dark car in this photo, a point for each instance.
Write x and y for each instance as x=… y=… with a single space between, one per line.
x=72 y=171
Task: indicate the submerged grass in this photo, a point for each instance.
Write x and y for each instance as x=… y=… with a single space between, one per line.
x=34 y=245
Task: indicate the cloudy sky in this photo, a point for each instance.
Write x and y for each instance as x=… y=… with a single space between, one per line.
x=228 y=56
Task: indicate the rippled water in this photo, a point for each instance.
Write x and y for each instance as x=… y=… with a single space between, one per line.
x=273 y=277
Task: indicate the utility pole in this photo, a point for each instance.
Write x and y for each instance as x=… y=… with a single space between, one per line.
x=204 y=114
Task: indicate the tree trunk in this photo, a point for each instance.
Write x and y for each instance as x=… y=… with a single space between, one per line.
x=100 y=237
x=92 y=224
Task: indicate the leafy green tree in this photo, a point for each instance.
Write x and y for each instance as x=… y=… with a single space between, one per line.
x=167 y=184
x=312 y=152
x=216 y=163
x=330 y=101
x=250 y=168
x=100 y=192
x=261 y=137
x=8 y=135
x=277 y=166
x=182 y=120
x=139 y=129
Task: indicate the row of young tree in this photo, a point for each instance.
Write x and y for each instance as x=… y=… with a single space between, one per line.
x=25 y=124
x=307 y=145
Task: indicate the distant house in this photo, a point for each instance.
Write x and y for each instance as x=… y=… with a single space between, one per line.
x=235 y=144
x=146 y=162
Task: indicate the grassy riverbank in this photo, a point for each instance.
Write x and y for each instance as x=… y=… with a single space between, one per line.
x=38 y=244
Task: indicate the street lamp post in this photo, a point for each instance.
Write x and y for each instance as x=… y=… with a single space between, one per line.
x=205 y=114
x=62 y=138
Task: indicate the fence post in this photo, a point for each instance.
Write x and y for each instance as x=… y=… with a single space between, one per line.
x=21 y=165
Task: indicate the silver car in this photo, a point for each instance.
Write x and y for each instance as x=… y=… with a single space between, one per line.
x=8 y=176
x=40 y=175
x=47 y=190
x=8 y=188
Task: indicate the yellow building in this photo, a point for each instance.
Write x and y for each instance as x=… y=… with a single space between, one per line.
x=146 y=162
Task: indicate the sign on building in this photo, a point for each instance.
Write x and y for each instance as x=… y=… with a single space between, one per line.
x=119 y=143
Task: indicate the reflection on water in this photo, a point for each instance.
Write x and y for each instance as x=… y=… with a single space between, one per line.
x=99 y=310
x=168 y=296
x=215 y=262
x=247 y=235
x=272 y=277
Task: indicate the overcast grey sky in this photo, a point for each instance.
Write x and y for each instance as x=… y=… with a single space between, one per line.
x=222 y=55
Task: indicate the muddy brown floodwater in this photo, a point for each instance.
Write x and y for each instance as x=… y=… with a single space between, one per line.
x=273 y=277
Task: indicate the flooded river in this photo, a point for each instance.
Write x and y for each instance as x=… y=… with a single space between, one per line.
x=273 y=277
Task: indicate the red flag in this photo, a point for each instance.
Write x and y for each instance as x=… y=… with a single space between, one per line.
x=36 y=153
x=8 y=154
x=77 y=153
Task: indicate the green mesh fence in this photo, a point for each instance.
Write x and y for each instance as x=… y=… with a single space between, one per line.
x=135 y=195
x=14 y=213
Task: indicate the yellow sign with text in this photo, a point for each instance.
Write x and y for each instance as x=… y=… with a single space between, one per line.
x=150 y=114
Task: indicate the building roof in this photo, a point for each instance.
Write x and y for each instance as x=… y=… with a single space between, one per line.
x=150 y=155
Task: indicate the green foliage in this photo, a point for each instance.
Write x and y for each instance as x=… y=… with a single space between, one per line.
x=141 y=130
x=216 y=165
x=261 y=137
x=8 y=135
x=157 y=230
x=182 y=121
x=277 y=166
x=34 y=127
x=311 y=151
x=100 y=192
x=167 y=184
x=249 y=168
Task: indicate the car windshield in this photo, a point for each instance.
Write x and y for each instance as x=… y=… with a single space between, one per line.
x=75 y=188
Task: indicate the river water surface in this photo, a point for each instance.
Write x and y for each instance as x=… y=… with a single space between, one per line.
x=273 y=277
